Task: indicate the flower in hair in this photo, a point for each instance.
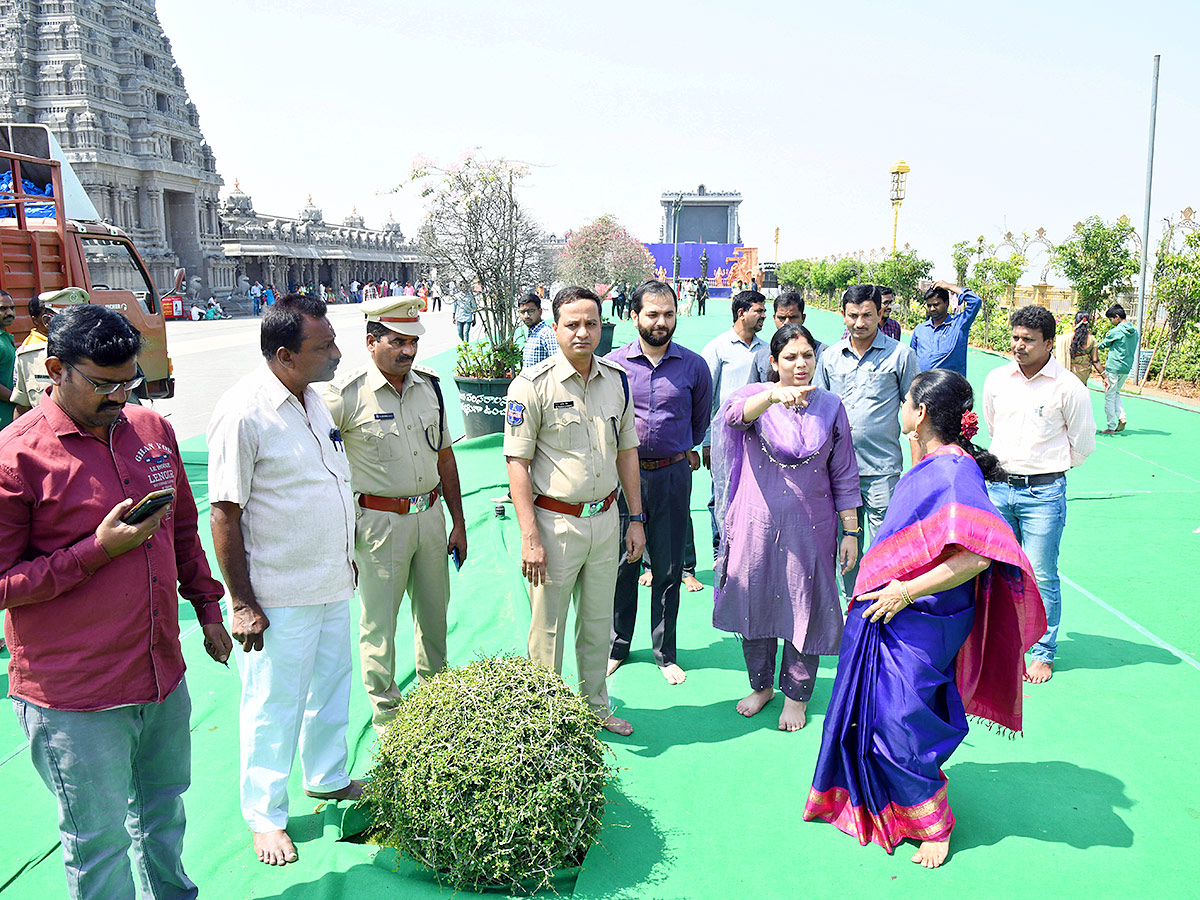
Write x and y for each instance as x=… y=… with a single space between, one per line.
x=970 y=425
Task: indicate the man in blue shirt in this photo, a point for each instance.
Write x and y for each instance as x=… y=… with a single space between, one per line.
x=940 y=342
x=540 y=342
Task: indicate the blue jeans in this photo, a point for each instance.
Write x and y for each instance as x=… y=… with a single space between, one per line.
x=119 y=776
x=1038 y=515
x=464 y=330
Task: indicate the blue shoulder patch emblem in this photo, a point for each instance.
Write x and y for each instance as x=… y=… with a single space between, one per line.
x=515 y=413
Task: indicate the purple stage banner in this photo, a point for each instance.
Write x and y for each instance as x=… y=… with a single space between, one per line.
x=689 y=258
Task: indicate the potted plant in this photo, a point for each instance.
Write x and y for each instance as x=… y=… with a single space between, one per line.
x=479 y=235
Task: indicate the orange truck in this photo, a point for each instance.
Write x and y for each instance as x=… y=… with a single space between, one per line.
x=55 y=239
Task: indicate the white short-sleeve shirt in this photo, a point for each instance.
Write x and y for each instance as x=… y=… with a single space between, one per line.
x=276 y=459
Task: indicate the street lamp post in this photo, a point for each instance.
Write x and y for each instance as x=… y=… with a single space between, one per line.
x=899 y=173
x=676 y=206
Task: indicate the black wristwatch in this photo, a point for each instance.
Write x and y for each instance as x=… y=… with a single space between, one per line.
x=640 y=517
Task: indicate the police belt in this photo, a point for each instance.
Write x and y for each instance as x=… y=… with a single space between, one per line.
x=401 y=505
x=580 y=510
x=651 y=464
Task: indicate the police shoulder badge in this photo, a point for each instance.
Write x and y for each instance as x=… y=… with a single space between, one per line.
x=515 y=414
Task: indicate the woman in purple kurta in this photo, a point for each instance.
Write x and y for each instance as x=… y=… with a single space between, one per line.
x=784 y=471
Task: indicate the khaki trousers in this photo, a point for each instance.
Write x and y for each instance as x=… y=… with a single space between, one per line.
x=581 y=565
x=396 y=554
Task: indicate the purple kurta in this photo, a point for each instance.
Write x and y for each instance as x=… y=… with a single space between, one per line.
x=781 y=482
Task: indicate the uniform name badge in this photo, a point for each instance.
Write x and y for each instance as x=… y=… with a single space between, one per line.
x=514 y=414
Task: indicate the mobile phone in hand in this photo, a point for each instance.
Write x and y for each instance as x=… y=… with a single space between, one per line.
x=148 y=506
x=457 y=557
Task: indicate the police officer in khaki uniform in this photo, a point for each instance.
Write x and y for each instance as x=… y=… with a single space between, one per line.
x=569 y=433
x=30 y=378
x=391 y=418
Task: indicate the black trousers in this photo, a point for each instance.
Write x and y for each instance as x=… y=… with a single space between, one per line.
x=666 y=500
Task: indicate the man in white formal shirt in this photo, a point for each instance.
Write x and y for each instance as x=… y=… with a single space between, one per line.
x=1040 y=420
x=283 y=530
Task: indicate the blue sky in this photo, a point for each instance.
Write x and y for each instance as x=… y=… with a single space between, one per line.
x=1012 y=117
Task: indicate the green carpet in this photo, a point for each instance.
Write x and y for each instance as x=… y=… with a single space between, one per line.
x=1099 y=799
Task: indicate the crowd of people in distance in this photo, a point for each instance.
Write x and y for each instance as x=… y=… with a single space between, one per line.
x=930 y=585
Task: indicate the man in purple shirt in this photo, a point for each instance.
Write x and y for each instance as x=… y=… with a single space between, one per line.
x=671 y=389
x=96 y=674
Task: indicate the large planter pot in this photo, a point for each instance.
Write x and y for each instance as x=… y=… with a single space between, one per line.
x=606 y=338
x=482 y=401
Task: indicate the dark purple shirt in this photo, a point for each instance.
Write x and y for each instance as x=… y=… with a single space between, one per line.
x=671 y=401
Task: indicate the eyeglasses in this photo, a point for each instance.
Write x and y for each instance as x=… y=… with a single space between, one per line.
x=108 y=387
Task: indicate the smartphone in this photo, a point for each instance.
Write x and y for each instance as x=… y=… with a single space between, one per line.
x=457 y=557
x=148 y=505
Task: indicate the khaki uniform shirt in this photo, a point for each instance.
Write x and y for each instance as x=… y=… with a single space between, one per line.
x=570 y=430
x=30 y=378
x=391 y=438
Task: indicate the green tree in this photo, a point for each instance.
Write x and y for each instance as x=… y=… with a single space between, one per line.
x=1098 y=259
x=990 y=279
x=797 y=273
x=1177 y=287
x=901 y=272
x=604 y=253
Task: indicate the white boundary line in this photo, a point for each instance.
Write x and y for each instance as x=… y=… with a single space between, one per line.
x=1152 y=462
x=1145 y=632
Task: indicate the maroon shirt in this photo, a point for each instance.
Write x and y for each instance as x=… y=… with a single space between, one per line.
x=86 y=632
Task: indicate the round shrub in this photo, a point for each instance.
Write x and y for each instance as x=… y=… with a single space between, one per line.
x=490 y=775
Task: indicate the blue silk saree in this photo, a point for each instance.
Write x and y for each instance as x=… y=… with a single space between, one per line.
x=904 y=689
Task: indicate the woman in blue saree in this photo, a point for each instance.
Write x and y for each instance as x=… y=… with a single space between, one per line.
x=945 y=607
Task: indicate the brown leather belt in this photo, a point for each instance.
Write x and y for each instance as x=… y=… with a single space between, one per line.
x=579 y=510
x=401 y=505
x=651 y=464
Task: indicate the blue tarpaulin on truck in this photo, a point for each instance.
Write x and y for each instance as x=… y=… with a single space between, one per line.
x=32 y=210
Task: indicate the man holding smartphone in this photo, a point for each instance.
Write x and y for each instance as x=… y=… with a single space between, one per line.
x=392 y=418
x=97 y=671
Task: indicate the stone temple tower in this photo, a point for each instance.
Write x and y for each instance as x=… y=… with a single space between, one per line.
x=101 y=75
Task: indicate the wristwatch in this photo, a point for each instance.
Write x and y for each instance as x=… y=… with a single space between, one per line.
x=640 y=517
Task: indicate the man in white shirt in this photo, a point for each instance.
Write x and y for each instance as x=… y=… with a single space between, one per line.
x=283 y=530
x=1040 y=420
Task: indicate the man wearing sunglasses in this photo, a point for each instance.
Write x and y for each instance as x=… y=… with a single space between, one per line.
x=97 y=672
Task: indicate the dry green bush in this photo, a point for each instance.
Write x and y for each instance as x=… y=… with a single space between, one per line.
x=491 y=775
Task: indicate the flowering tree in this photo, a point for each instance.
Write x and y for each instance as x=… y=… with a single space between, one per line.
x=604 y=253
x=479 y=235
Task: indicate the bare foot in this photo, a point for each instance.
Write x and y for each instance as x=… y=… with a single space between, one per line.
x=1038 y=672
x=614 y=664
x=752 y=703
x=793 y=716
x=352 y=791
x=932 y=854
x=646 y=579
x=692 y=583
x=274 y=848
x=616 y=726
x=673 y=673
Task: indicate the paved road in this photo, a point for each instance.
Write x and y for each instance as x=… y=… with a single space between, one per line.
x=210 y=356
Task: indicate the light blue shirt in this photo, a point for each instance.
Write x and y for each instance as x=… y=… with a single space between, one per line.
x=872 y=389
x=945 y=347
x=729 y=362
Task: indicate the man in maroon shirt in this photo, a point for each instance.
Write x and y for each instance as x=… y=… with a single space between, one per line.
x=96 y=674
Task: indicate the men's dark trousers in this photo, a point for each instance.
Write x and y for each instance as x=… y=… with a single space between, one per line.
x=666 y=498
